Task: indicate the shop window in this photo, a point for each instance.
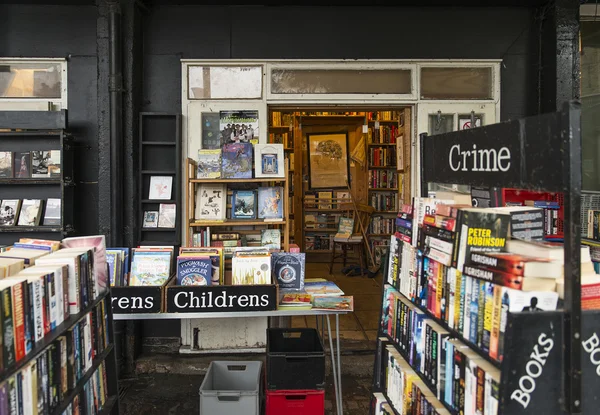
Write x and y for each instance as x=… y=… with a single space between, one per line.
x=225 y=82
x=457 y=83
x=31 y=80
x=341 y=81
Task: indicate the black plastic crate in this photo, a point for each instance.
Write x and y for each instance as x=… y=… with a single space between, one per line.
x=295 y=359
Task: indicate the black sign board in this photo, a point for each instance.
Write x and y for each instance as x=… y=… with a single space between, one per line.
x=135 y=300
x=525 y=153
x=222 y=298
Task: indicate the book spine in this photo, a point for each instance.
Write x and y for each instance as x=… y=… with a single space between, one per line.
x=7 y=327
x=480 y=313
x=38 y=310
x=488 y=316
x=479 y=403
x=18 y=320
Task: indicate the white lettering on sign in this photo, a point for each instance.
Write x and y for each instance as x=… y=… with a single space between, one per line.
x=133 y=303
x=184 y=299
x=533 y=370
x=479 y=159
x=591 y=346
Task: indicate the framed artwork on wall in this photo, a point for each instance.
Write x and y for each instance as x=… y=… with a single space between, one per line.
x=328 y=164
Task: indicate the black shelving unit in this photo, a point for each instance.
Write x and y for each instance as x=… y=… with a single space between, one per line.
x=159 y=155
x=541 y=153
x=35 y=131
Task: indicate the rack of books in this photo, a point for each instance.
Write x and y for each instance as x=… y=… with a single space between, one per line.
x=58 y=351
x=474 y=320
x=159 y=179
x=36 y=175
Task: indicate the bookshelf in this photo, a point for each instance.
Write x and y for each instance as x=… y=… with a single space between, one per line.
x=159 y=155
x=565 y=379
x=25 y=132
x=195 y=225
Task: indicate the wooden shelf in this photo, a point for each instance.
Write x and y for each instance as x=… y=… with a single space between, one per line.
x=324 y=210
x=383 y=189
x=239 y=222
x=382 y=167
x=386 y=121
x=17 y=181
x=318 y=251
x=31 y=229
x=382 y=144
x=386 y=211
x=320 y=230
x=288 y=149
x=279 y=128
x=234 y=181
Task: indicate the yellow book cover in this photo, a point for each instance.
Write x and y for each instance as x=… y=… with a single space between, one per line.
x=496 y=317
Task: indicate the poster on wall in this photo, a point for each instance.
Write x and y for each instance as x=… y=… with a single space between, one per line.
x=239 y=126
x=328 y=160
x=224 y=82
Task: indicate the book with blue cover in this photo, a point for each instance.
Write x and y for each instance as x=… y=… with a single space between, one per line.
x=243 y=204
x=194 y=270
x=236 y=159
x=270 y=202
x=288 y=270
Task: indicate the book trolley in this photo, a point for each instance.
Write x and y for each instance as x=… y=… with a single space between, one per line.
x=551 y=363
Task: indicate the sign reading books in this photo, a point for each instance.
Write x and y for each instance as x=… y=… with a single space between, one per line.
x=205 y=299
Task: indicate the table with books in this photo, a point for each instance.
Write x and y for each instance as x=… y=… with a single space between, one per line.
x=193 y=291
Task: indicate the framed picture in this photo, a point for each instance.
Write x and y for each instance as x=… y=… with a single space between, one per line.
x=328 y=165
x=269 y=161
x=161 y=187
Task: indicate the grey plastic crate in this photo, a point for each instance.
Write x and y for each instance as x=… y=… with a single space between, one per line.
x=231 y=388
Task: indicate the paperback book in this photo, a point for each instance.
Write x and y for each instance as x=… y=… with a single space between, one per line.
x=54 y=169
x=9 y=211
x=160 y=187
x=270 y=203
x=22 y=168
x=167 y=214
x=236 y=161
x=150 y=219
x=270 y=239
x=296 y=301
x=209 y=164
x=6 y=163
x=31 y=212
x=39 y=163
x=52 y=214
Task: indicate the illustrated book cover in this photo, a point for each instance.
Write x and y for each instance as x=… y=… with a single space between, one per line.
x=295 y=301
x=345 y=303
x=39 y=163
x=150 y=219
x=9 y=212
x=31 y=212
x=160 y=187
x=251 y=267
x=239 y=126
x=288 y=269
x=270 y=202
x=269 y=161
x=194 y=270
x=22 y=165
x=150 y=268
x=6 y=163
x=52 y=214
x=270 y=239
x=322 y=288
x=236 y=161
x=209 y=164
x=216 y=257
x=167 y=213
x=212 y=202
x=243 y=204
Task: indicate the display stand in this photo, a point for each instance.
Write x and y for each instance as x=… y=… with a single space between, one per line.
x=543 y=370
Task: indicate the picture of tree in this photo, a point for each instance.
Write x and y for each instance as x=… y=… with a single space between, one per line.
x=328 y=160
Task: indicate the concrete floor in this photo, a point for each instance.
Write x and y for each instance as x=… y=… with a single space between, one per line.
x=167 y=384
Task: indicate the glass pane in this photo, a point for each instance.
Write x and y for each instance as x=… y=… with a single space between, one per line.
x=440 y=123
x=340 y=81
x=30 y=80
x=590 y=104
x=456 y=83
x=464 y=121
x=225 y=82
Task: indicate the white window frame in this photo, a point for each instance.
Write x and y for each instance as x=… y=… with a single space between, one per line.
x=342 y=65
x=11 y=103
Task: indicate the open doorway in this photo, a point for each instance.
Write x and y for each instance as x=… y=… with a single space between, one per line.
x=339 y=152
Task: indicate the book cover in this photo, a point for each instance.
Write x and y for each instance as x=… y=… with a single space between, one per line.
x=9 y=212
x=54 y=166
x=150 y=268
x=345 y=303
x=251 y=268
x=150 y=219
x=209 y=164
x=167 y=213
x=161 y=187
x=325 y=200
x=22 y=165
x=270 y=239
x=296 y=299
x=212 y=202
x=216 y=257
x=6 y=163
x=211 y=136
x=288 y=270
x=39 y=163
x=269 y=160
x=243 y=204
x=96 y=243
x=270 y=202
x=236 y=161
x=194 y=270
x=31 y=212
x=239 y=126
x=52 y=212
x=322 y=288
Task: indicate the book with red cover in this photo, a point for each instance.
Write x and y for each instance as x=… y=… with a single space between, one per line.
x=18 y=291
x=516 y=282
x=516 y=264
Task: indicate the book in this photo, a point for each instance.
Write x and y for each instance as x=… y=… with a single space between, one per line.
x=150 y=219
x=268 y=160
x=270 y=202
x=236 y=161
x=239 y=126
x=212 y=202
x=251 y=267
x=216 y=257
x=548 y=250
x=295 y=301
x=9 y=212
x=39 y=163
x=211 y=136
x=97 y=244
x=318 y=288
x=52 y=212
x=516 y=264
x=167 y=214
x=54 y=166
x=194 y=270
x=209 y=164
x=288 y=270
x=6 y=164
x=270 y=239
x=345 y=228
x=325 y=200
x=31 y=212
x=150 y=268
x=243 y=204
x=22 y=165
x=161 y=187
x=345 y=303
